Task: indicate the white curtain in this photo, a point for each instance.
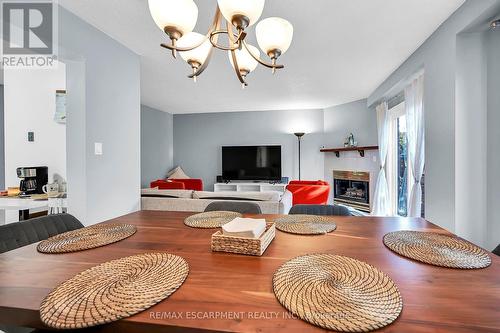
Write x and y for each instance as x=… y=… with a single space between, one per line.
x=381 y=204
x=414 y=103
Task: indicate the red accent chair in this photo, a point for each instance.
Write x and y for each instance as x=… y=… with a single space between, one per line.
x=178 y=184
x=306 y=192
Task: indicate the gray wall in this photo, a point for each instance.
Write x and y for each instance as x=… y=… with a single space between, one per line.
x=156 y=144
x=2 y=140
x=198 y=139
x=103 y=80
x=470 y=137
x=348 y=118
x=493 y=121
x=437 y=56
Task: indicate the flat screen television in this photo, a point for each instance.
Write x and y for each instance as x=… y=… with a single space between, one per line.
x=251 y=163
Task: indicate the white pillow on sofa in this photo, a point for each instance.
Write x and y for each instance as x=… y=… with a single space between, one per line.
x=177 y=173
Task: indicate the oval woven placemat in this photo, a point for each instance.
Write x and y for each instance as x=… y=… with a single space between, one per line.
x=436 y=249
x=215 y=219
x=337 y=293
x=305 y=224
x=113 y=290
x=86 y=238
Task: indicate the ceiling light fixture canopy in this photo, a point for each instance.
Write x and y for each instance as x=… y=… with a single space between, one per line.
x=177 y=19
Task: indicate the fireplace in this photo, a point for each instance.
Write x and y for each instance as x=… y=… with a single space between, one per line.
x=352 y=188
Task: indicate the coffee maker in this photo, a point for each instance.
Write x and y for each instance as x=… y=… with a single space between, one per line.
x=32 y=179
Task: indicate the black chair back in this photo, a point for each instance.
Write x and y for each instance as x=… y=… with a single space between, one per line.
x=234 y=206
x=18 y=234
x=327 y=210
x=496 y=250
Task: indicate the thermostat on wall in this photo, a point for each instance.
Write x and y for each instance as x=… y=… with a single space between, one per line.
x=31 y=136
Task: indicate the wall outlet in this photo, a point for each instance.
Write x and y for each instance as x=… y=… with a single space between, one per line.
x=97 y=148
x=31 y=136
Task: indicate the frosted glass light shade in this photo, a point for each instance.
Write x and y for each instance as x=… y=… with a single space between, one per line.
x=179 y=14
x=274 y=33
x=199 y=54
x=246 y=62
x=252 y=9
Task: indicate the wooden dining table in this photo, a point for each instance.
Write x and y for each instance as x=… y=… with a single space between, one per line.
x=233 y=293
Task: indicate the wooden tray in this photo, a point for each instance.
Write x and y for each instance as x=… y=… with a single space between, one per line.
x=240 y=245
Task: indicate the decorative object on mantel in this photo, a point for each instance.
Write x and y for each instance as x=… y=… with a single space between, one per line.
x=177 y=19
x=87 y=238
x=305 y=224
x=114 y=290
x=350 y=142
x=210 y=220
x=299 y=136
x=242 y=245
x=337 y=293
x=337 y=151
x=436 y=249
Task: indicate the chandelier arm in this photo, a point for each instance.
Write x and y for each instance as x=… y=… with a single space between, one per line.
x=260 y=61
x=236 y=42
x=233 y=55
x=215 y=26
x=237 y=69
x=213 y=40
x=181 y=49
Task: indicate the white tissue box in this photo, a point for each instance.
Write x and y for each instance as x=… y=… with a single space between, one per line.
x=244 y=245
x=244 y=227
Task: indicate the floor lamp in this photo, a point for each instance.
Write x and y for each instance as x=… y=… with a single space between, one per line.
x=299 y=138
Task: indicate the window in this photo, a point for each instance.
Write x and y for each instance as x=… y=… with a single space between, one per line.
x=402 y=167
x=398 y=167
x=397 y=161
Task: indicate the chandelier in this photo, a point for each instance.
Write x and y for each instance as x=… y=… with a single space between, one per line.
x=177 y=19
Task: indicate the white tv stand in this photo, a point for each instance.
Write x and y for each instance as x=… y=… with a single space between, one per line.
x=249 y=187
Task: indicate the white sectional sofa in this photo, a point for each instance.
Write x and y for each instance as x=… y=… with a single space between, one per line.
x=196 y=201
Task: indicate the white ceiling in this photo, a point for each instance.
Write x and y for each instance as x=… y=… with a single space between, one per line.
x=341 y=51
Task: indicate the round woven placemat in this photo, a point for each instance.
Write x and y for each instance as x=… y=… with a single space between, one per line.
x=114 y=290
x=436 y=249
x=215 y=219
x=86 y=238
x=305 y=224
x=337 y=293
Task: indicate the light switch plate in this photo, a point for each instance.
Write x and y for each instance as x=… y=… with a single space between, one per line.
x=98 y=148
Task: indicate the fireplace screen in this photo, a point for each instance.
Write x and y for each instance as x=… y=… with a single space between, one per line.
x=352 y=189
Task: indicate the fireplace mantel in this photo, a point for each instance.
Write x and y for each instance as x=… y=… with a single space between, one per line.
x=337 y=151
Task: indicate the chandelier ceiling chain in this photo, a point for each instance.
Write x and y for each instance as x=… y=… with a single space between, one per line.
x=177 y=19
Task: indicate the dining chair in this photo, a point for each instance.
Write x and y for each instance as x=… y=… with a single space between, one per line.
x=330 y=210
x=234 y=206
x=18 y=234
